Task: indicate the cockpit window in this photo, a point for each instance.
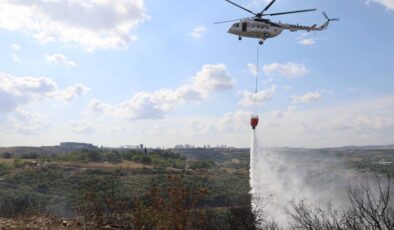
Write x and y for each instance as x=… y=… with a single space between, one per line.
x=236 y=25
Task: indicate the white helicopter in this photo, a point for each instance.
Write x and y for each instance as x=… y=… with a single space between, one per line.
x=261 y=28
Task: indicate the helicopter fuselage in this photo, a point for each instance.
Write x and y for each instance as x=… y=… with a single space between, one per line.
x=264 y=29
x=261 y=29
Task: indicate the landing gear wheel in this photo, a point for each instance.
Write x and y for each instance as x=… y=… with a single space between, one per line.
x=261 y=42
x=239 y=38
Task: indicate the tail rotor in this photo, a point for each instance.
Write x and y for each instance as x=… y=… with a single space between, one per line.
x=328 y=20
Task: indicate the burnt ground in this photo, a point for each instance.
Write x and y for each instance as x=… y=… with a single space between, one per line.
x=47 y=223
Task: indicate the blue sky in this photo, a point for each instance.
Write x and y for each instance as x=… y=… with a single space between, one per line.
x=161 y=73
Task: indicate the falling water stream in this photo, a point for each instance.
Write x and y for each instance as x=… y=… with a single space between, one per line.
x=280 y=175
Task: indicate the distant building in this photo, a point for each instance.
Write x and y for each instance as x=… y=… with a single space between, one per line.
x=130 y=147
x=75 y=145
x=141 y=146
x=186 y=146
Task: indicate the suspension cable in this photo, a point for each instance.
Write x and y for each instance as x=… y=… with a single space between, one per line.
x=257 y=73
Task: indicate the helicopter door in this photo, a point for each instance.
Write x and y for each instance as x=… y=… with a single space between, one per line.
x=244 y=26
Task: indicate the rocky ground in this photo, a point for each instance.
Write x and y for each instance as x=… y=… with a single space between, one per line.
x=46 y=223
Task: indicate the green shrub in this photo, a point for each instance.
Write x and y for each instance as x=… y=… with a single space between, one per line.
x=19 y=163
x=201 y=164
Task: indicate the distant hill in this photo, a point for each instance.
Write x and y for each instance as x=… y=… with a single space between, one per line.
x=219 y=155
x=368 y=147
x=43 y=150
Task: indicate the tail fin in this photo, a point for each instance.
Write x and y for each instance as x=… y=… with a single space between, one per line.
x=325 y=25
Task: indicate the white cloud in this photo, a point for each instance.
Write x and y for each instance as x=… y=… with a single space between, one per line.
x=60 y=59
x=81 y=127
x=71 y=92
x=250 y=98
x=213 y=78
x=89 y=23
x=389 y=4
x=365 y=122
x=18 y=91
x=356 y=123
x=98 y=106
x=313 y=96
x=229 y=123
x=308 y=97
x=289 y=70
x=145 y=105
x=16 y=47
x=198 y=31
x=16 y=58
x=253 y=69
x=234 y=122
x=26 y=123
x=307 y=41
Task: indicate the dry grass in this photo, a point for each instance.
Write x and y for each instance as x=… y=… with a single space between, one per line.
x=46 y=223
x=233 y=170
x=2 y=161
x=6 y=161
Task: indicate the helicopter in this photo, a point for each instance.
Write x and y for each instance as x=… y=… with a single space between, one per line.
x=262 y=28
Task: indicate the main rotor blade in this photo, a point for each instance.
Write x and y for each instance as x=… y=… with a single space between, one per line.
x=227 y=21
x=235 y=4
x=290 y=12
x=268 y=6
x=232 y=20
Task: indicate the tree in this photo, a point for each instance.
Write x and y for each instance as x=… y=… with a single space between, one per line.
x=146 y=159
x=7 y=155
x=114 y=157
x=94 y=156
x=31 y=155
x=370 y=209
